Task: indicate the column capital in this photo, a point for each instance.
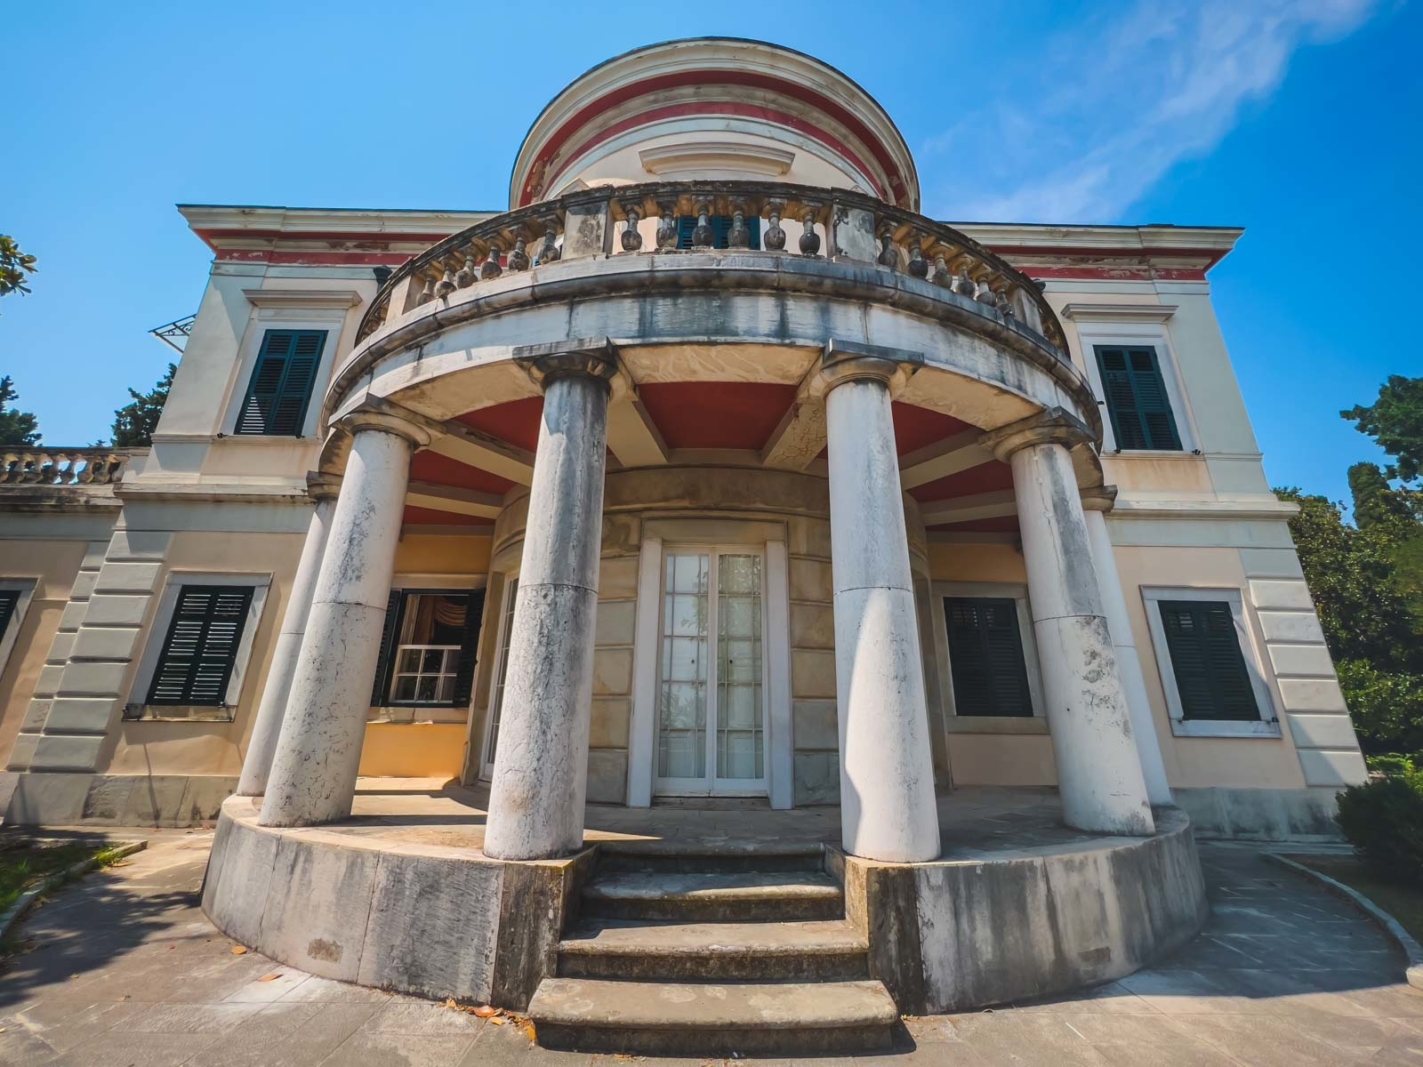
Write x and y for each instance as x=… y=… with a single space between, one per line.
x=1050 y=426
x=848 y=361
x=388 y=422
x=323 y=486
x=595 y=358
x=1099 y=498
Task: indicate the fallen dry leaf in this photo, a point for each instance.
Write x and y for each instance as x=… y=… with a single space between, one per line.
x=450 y=1003
x=528 y=1027
x=484 y=1011
x=270 y=977
x=238 y=950
x=497 y=1020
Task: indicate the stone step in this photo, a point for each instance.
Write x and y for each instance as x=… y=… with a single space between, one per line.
x=760 y=951
x=739 y=896
x=670 y=856
x=670 y=1019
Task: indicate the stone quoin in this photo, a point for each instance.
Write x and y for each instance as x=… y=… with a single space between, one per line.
x=708 y=575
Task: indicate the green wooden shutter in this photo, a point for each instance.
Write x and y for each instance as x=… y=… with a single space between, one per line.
x=469 y=649
x=200 y=649
x=1206 y=660
x=721 y=230
x=1137 y=402
x=9 y=600
x=282 y=381
x=986 y=657
x=394 y=609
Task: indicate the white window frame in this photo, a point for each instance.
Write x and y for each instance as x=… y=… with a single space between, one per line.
x=413 y=713
x=1141 y=335
x=1268 y=725
x=260 y=584
x=331 y=320
x=507 y=598
x=26 y=588
x=988 y=724
x=711 y=785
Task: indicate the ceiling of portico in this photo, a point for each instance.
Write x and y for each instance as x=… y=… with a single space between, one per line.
x=959 y=486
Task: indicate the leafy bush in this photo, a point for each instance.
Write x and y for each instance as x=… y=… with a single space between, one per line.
x=1393 y=765
x=1384 y=822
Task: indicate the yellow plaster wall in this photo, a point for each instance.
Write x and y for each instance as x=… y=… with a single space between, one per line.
x=413 y=750
x=54 y=565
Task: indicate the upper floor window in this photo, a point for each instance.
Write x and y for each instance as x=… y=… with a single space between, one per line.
x=986 y=661
x=721 y=230
x=9 y=601
x=282 y=382
x=1137 y=400
x=429 y=647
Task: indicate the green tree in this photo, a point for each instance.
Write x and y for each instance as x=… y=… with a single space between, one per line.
x=14 y=266
x=16 y=427
x=1395 y=421
x=135 y=422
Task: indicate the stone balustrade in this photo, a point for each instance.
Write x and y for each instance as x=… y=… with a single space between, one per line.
x=642 y=219
x=64 y=466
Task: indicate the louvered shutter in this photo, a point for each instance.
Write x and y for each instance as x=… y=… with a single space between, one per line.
x=1207 y=661
x=200 y=649
x=9 y=599
x=469 y=649
x=282 y=382
x=721 y=230
x=986 y=657
x=1137 y=402
x=393 y=610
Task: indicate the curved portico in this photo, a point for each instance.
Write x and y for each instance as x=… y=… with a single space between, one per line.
x=831 y=354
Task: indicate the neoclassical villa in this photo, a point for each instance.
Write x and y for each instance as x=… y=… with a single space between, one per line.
x=709 y=570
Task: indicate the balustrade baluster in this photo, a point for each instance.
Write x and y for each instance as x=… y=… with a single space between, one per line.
x=632 y=240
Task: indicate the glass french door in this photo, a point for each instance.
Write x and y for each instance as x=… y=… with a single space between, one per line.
x=711 y=717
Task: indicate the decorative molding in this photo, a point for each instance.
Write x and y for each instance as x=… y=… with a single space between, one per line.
x=302 y=298
x=1119 y=312
x=698 y=159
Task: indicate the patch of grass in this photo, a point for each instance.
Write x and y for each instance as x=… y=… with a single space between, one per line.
x=1403 y=902
x=26 y=865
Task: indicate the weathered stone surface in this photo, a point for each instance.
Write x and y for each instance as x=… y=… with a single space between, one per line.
x=318 y=906
x=432 y=926
x=1261 y=814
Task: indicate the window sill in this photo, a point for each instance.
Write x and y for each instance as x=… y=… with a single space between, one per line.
x=1224 y=728
x=177 y=713
x=416 y=715
x=993 y=724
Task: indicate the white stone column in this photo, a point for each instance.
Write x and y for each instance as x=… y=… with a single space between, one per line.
x=541 y=772
x=1098 y=771
x=1143 y=727
x=313 y=776
x=268 y=727
x=887 y=805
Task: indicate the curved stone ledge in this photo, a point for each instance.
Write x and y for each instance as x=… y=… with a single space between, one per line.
x=424 y=919
x=1010 y=925
x=984 y=926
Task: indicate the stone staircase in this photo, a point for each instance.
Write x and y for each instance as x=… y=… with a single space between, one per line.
x=713 y=953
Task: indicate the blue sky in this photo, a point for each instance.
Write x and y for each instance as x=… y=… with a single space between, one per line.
x=1301 y=120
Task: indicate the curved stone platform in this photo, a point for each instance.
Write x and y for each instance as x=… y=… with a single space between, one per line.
x=400 y=896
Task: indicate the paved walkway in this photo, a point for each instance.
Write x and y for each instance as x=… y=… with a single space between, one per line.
x=124 y=970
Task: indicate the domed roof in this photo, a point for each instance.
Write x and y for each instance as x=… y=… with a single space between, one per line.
x=714 y=108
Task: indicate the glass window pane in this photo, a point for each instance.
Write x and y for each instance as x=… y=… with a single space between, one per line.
x=404 y=687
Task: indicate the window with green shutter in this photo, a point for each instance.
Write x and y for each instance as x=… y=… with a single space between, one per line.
x=282 y=381
x=1137 y=402
x=9 y=600
x=1207 y=661
x=986 y=657
x=428 y=648
x=721 y=230
x=200 y=648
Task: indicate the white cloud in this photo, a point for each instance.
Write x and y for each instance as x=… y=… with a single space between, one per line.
x=1105 y=110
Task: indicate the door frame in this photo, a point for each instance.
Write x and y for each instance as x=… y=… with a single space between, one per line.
x=494 y=708
x=769 y=539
